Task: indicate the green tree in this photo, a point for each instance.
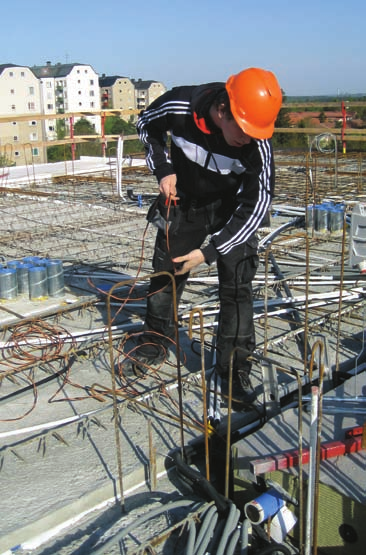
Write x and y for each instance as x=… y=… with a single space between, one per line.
x=361 y=112
x=5 y=161
x=58 y=152
x=90 y=148
x=283 y=120
x=322 y=117
x=84 y=127
x=114 y=125
x=60 y=129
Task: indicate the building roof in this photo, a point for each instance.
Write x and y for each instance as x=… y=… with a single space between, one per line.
x=140 y=84
x=109 y=80
x=6 y=66
x=57 y=70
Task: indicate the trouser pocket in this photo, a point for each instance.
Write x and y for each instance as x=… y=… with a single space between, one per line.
x=164 y=215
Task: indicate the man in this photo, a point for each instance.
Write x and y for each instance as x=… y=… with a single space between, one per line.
x=217 y=181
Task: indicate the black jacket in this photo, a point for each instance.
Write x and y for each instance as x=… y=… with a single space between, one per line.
x=205 y=165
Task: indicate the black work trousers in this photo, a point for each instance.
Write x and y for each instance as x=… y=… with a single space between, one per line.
x=189 y=226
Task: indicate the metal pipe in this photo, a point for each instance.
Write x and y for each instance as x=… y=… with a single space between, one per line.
x=228 y=433
x=203 y=379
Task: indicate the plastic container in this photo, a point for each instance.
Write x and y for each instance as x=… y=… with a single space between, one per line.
x=264 y=506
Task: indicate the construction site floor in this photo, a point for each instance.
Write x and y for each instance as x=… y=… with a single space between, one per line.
x=76 y=440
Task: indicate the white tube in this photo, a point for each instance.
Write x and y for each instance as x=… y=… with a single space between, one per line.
x=119 y=166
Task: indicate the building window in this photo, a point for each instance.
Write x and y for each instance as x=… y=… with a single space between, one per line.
x=33 y=136
x=91 y=93
x=11 y=74
x=48 y=84
x=31 y=90
x=33 y=122
x=79 y=92
x=80 y=103
x=78 y=71
x=15 y=138
x=22 y=74
x=13 y=107
x=16 y=153
x=79 y=81
x=92 y=105
x=31 y=106
x=49 y=106
x=92 y=81
x=14 y=122
x=35 y=151
x=51 y=128
x=12 y=91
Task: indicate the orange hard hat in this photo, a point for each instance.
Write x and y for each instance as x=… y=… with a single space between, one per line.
x=255 y=100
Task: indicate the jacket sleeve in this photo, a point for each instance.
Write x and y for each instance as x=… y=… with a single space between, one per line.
x=254 y=198
x=152 y=127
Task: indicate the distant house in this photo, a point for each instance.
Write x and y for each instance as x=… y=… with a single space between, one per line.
x=117 y=93
x=146 y=92
x=312 y=118
x=20 y=95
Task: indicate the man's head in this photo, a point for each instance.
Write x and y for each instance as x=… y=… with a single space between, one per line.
x=255 y=99
x=223 y=119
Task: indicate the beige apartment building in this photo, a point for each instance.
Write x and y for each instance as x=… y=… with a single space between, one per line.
x=20 y=99
x=117 y=93
x=122 y=93
x=146 y=92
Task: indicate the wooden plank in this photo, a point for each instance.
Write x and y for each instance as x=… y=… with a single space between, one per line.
x=66 y=115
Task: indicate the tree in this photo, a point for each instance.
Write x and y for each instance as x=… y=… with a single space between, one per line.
x=60 y=129
x=5 y=161
x=58 y=152
x=114 y=125
x=322 y=117
x=84 y=127
x=283 y=120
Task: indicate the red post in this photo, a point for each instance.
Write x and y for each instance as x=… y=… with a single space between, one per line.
x=71 y=137
x=104 y=142
x=344 y=123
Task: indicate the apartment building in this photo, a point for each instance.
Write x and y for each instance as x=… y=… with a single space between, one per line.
x=117 y=93
x=146 y=92
x=122 y=93
x=20 y=96
x=69 y=88
x=50 y=90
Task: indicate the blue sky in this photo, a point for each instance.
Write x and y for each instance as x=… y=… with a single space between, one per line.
x=314 y=47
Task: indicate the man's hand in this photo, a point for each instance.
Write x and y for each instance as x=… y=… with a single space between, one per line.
x=168 y=186
x=184 y=264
